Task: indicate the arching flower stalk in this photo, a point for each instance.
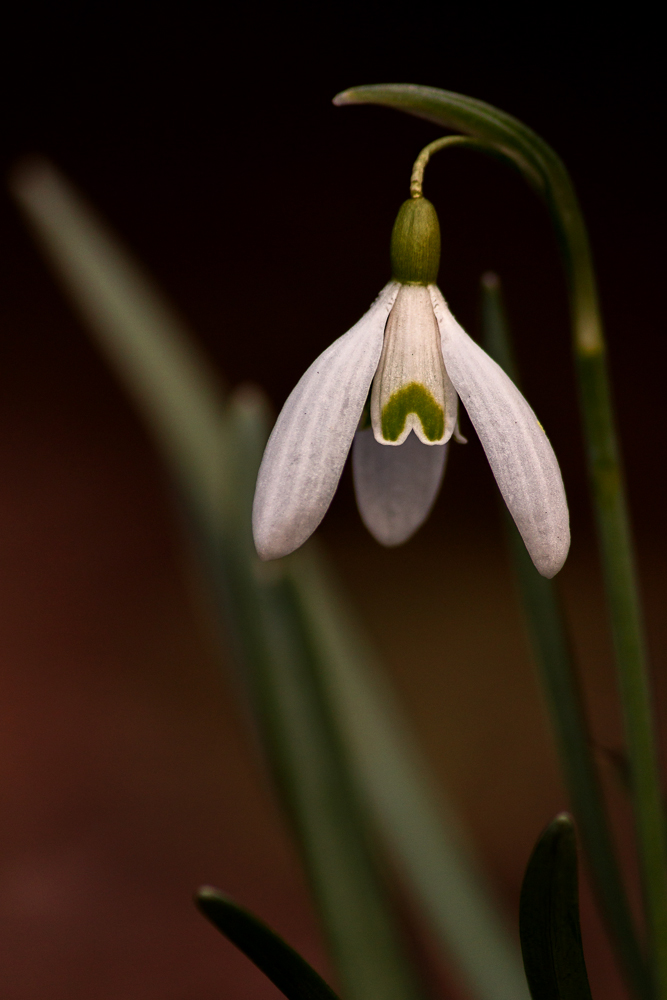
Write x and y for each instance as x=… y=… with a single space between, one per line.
x=409 y=352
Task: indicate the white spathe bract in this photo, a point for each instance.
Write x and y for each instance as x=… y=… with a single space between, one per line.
x=410 y=347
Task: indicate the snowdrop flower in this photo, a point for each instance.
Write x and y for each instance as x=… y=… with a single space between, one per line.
x=417 y=362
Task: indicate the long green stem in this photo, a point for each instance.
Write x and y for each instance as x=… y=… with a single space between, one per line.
x=545 y=171
x=553 y=655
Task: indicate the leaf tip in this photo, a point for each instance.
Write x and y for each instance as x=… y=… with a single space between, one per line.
x=490 y=281
x=29 y=174
x=561 y=826
x=207 y=898
x=206 y=892
x=563 y=820
x=344 y=97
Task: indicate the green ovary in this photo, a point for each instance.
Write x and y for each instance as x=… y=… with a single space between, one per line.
x=412 y=398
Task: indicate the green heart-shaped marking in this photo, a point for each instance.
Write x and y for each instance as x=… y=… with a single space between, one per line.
x=412 y=398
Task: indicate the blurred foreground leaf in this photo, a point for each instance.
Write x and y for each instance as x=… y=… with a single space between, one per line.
x=277 y=960
x=213 y=450
x=141 y=335
x=331 y=730
x=553 y=955
x=415 y=821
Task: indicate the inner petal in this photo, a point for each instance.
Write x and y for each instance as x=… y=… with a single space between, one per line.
x=411 y=389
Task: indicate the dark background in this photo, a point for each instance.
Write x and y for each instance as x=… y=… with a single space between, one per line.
x=210 y=143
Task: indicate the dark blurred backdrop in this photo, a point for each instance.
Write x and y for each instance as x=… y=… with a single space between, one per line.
x=209 y=141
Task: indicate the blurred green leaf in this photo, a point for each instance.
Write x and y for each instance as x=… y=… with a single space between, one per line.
x=213 y=452
x=332 y=731
x=282 y=964
x=553 y=955
x=617 y=760
x=412 y=816
x=306 y=750
x=145 y=341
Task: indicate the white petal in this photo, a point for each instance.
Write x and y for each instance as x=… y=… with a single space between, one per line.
x=516 y=446
x=395 y=487
x=307 y=449
x=411 y=373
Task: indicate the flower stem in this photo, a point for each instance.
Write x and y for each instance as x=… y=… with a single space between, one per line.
x=417 y=176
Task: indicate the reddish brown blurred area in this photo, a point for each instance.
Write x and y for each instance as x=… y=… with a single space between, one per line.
x=127 y=773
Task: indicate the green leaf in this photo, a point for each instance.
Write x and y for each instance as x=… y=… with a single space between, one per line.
x=277 y=960
x=545 y=171
x=213 y=452
x=552 y=651
x=553 y=955
x=465 y=114
x=140 y=333
x=319 y=699
x=534 y=158
x=306 y=750
x=412 y=814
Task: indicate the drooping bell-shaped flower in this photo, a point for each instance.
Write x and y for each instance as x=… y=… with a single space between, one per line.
x=417 y=362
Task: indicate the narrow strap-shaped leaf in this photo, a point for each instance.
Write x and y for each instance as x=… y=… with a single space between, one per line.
x=412 y=814
x=553 y=955
x=268 y=616
x=413 y=821
x=270 y=609
x=213 y=453
x=258 y=605
x=545 y=171
x=135 y=327
x=306 y=749
x=536 y=160
x=466 y=114
x=277 y=960
x=553 y=656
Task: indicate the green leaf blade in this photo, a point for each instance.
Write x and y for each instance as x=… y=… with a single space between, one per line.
x=552 y=652
x=553 y=954
x=289 y=624
x=412 y=814
x=541 y=166
x=274 y=957
x=465 y=114
x=136 y=328
x=213 y=452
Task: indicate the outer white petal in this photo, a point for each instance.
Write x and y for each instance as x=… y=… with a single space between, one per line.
x=518 y=450
x=307 y=449
x=395 y=487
